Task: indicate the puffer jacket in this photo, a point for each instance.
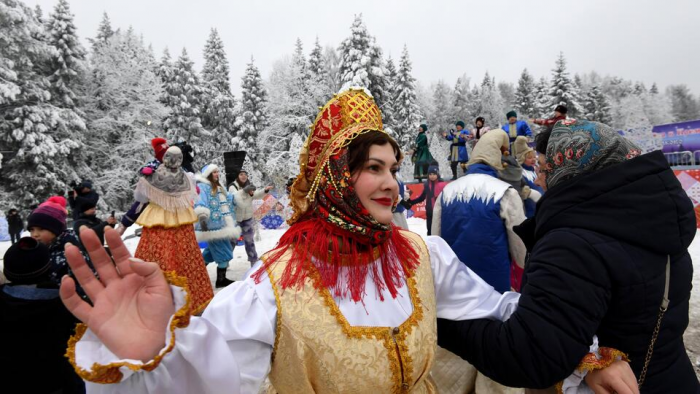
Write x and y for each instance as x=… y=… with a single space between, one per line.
x=244 y=203
x=599 y=246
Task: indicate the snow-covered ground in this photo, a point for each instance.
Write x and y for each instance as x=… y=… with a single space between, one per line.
x=268 y=238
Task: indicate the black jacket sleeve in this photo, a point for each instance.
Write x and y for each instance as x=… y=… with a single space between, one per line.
x=565 y=298
x=422 y=196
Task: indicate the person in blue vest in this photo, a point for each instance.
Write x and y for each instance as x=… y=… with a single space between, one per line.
x=516 y=127
x=475 y=215
x=458 y=148
x=526 y=157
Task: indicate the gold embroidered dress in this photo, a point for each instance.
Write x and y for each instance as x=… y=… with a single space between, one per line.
x=359 y=334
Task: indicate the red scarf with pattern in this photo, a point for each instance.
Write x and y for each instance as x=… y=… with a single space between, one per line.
x=339 y=232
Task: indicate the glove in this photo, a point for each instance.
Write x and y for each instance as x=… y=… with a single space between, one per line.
x=535 y=195
x=406 y=204
x=203 y=224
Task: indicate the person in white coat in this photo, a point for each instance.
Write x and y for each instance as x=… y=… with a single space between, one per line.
x=244 y=214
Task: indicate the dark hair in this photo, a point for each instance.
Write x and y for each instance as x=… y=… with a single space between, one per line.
x=541 y=141
x=358 y=150
x=238 y=180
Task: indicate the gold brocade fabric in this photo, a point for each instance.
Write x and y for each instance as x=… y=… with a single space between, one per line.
x=154 y=215
x=176 y=250
x=318 y=351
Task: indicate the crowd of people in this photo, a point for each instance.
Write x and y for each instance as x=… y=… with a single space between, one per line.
x=542 y=269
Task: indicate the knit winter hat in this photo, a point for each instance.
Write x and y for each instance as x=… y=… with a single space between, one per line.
x=521 y=149
x=561 y=109
x=160 y=145
x=249 y=188
x=27 y=262
x=60 y=200
x=459 y=123
x=511 y=114
x=424 y=127
x=49 y=216
x=208 y=169
x=434 y=170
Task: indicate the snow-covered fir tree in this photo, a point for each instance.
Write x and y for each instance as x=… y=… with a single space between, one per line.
x=525 y=95
x=361 y=62
x=219 y=104
x=489 y=103
x=318 y=71
x=542 y=99
x=165 y=73
x=442 y=117
x=215 y=71
x=104 y=32
x=408 y=116
x=253 y=112
x=683 y=105
x=657 y=108
x=332 y=60
x=617 y=88
x=124 y=113
x=39 y=138
x=68 y=63
x=632 y=121
x=596 y=106
x=462 y=98
x=389 y=109
x=294 y=103
x=39 y=13
x=184 y=97
x=563 y=91
x=640 y=88
x=654 y=89
x=507 y=92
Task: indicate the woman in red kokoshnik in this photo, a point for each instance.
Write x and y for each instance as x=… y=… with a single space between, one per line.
x=346 y=302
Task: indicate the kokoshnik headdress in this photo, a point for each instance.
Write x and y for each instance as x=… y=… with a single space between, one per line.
x=329 y=222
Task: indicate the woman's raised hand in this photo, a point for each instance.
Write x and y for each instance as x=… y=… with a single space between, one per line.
x=132 y=302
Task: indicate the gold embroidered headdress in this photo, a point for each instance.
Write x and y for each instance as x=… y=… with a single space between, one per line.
x=344 y=117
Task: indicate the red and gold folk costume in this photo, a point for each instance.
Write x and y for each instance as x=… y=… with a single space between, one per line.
x=329 y=222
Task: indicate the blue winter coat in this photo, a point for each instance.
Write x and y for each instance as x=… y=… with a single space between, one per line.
x=219 y=213
x=471 y=224
x=458 y=149
x=529 y=176
x=522 y=128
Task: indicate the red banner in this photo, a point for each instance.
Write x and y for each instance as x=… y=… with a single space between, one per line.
x=690 y=180
x=416 y=190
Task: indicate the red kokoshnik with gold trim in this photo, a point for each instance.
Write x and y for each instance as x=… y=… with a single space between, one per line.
x=329 y=222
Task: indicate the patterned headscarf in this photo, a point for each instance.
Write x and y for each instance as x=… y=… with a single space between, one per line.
x=578 y=147
x=329 y=222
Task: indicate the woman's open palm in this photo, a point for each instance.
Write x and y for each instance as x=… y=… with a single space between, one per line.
x=132 y=302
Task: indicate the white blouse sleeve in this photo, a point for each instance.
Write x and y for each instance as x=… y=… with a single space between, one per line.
x=460 y=293
x=227 y=350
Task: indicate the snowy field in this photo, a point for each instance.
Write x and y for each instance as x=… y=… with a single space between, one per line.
x=268 y=238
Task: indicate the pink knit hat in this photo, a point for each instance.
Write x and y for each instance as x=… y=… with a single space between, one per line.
x=50 y=216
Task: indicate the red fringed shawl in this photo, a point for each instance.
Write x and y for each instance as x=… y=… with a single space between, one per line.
x=338 y=232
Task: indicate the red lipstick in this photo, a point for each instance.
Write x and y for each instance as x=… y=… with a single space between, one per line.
x=384 y=201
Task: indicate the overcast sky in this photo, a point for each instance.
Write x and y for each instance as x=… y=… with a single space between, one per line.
x=645 y=40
